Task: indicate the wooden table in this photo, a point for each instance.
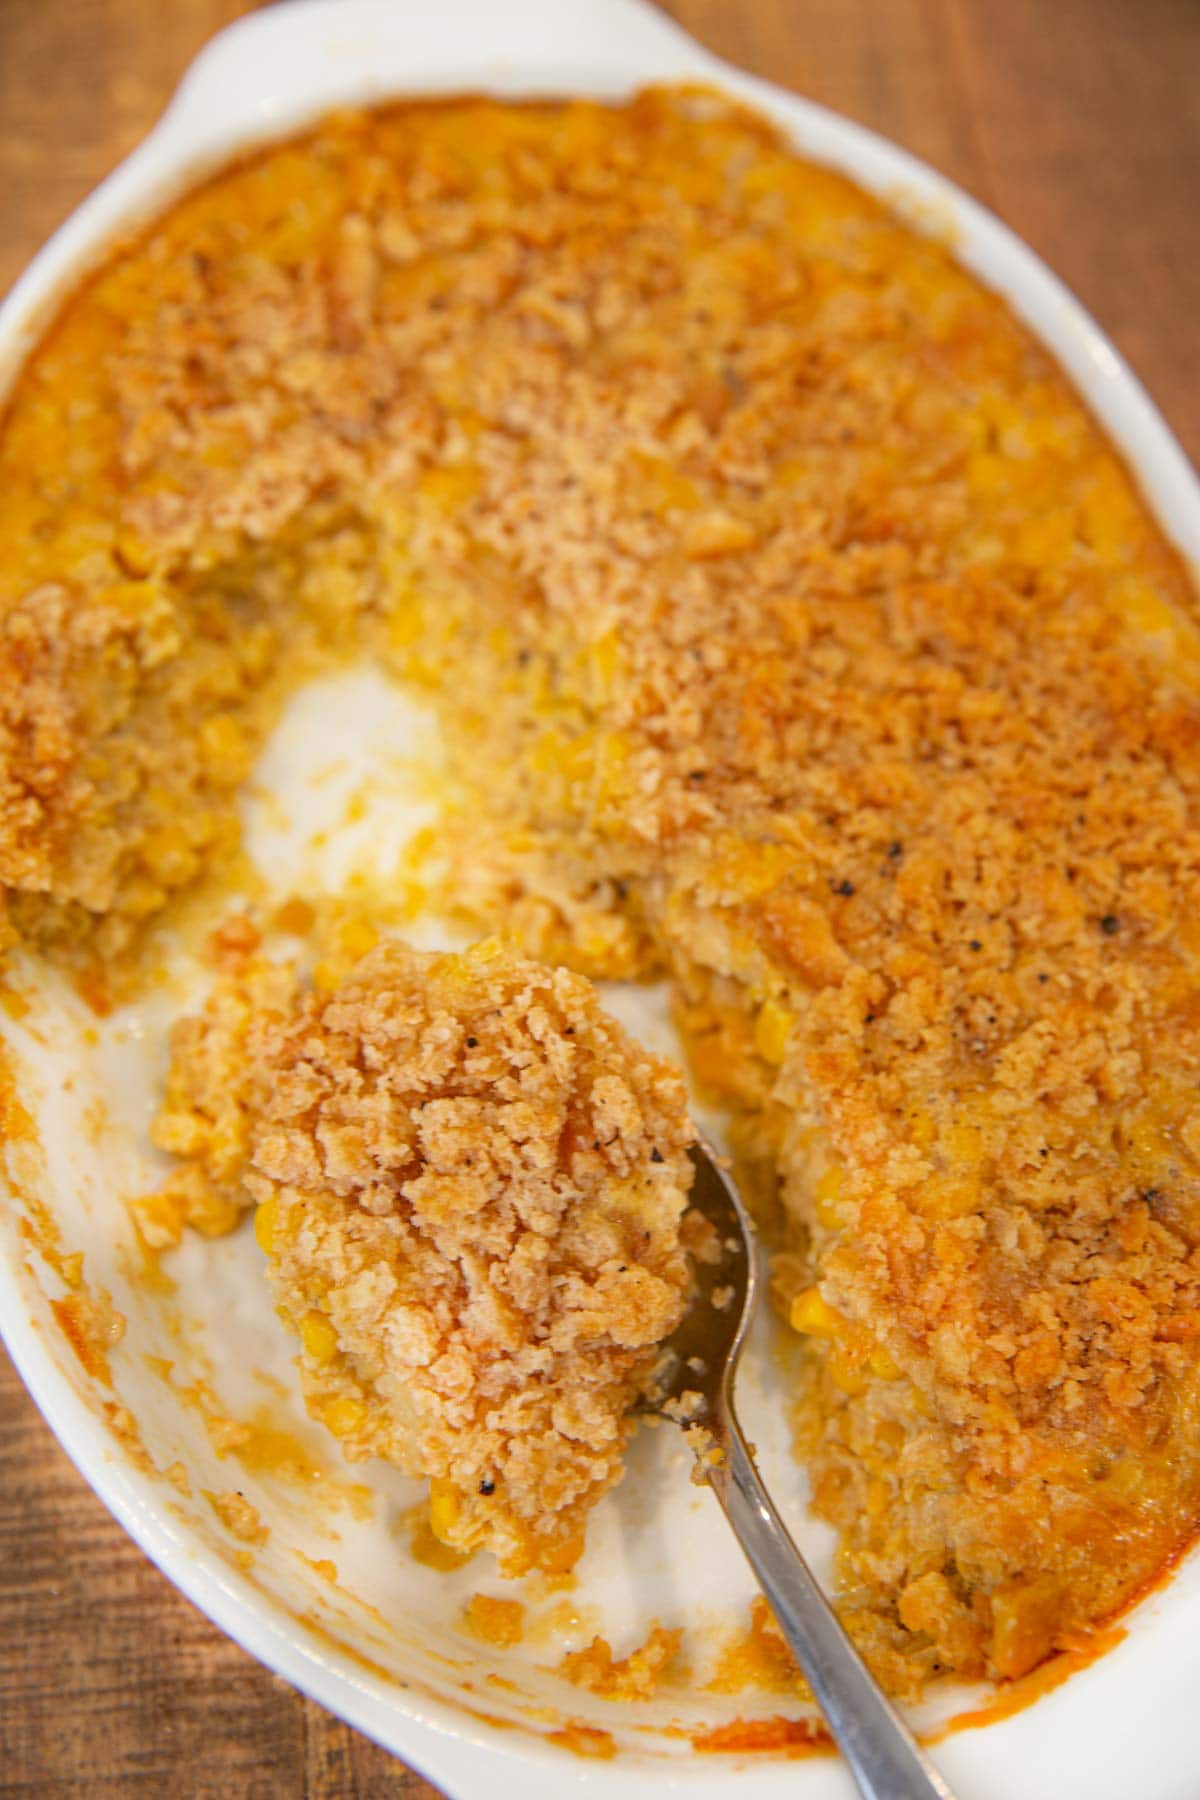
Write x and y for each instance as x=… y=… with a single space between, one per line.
x=1077 y=121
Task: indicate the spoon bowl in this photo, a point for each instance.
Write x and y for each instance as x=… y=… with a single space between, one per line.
x=696 y=1372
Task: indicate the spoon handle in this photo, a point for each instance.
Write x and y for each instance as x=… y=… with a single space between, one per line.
x=880 y=1749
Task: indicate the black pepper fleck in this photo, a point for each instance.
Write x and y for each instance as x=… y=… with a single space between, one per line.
x=656 y=1154
x=1110 y=924
x=975 y=944
x=487 y=1487
x=895 y=848
x=845 y=888
x=472 y=1043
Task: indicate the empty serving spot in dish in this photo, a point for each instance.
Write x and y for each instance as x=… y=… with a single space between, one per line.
x=470 y=1187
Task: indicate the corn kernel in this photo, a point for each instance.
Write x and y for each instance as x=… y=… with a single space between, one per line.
x=318 y=1337
x=357 y=936
x=882 y=1363
x=343 y=1415
x=826 y=1195
x=812 y=1314
x=846 y=1370
x=772 y=1029
x=445 y=1505
x=169 y=855
x=266 y=1226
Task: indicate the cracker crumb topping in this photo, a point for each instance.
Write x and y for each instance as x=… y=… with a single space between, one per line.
x=470 y=1184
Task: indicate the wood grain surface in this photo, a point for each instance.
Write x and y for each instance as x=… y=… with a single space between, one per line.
x=1079 y=122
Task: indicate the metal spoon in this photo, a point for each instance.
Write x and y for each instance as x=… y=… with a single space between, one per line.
x=697 y=1391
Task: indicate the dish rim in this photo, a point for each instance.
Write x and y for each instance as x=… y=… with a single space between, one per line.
x=262 y=77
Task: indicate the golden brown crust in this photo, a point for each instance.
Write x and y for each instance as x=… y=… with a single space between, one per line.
x=795 y=629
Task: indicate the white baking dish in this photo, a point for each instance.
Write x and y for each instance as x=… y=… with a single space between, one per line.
x=1126 y=1724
